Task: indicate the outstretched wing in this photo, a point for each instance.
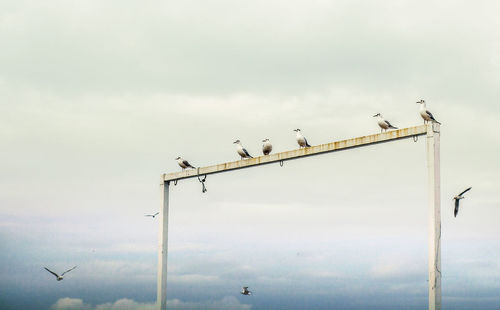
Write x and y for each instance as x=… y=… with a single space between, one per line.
x=457 y=201
x=156 y=214
x=465 y=191
x=55 y=274
x=67 y=271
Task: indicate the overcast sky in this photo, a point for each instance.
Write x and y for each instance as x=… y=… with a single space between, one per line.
x=97 y=98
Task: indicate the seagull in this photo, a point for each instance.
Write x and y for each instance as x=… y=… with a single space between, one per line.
x=426 y=115
x=245 y=291
x=384 y=124
x=59 y=277
x=301 y=140
x=183 y=163
x=152 y=215
x=457 y=199
x=267 y=147
x=241 y=150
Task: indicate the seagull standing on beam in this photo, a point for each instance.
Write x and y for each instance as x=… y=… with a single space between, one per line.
x=301 y=140
x=184 y=163
x=59 y=277
x=241 y=150
x=426 y=114
x=267 y=147
x=384 y=124
x=457 y=199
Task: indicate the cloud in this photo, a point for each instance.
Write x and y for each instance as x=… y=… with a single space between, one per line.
x=226 y=303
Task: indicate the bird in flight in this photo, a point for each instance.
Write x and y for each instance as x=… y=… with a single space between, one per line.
x=245 y=291
x=241 y=150
x=301 y=140
x=426 y=114
x=59 y=277
x=152 y=215
x=457 y=199
x=267 y=147
x=383 y=123
x=183 y=163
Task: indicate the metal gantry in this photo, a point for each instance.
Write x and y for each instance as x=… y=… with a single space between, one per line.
x=432 y=132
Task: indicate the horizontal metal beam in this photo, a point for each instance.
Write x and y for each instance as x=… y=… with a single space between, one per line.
x=299 y=153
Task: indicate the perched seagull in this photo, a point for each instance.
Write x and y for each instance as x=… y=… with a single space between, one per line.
x=301 y=140
x=457 y=199
x=59 y=277
x=152 y=215
x=183 y=163
x=384 y=124
x=245 y=291
x=267 y=147
x=241 y=150
x=426 y=115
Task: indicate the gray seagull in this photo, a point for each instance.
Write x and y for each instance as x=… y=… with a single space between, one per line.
x=426 y=114
x=183 y=163
x=267 y=147
x=59 y=277
x=457 y=199
x=383 y=123
x=301 y=140
x=152 y=215
x=245 y=291
x=241 y=150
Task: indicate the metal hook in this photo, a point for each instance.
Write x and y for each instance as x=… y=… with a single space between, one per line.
x=281 y=163
x=415 y=138
x=202 y=181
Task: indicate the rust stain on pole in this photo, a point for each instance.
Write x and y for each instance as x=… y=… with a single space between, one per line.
x=298 y=153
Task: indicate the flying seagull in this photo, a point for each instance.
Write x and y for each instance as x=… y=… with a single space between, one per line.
x=183 y=163
x=384 y=124
x=301 y=140
x=152 y=215
x=267 y=147
x=59 y=277
x=241 y=150
x=426 y=115
x=457 y=199
x=245 y=291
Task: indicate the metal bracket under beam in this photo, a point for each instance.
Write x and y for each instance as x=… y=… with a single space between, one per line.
x=298 y=153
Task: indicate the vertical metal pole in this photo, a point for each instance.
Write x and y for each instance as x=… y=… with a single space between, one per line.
x=161 y=294
x=433 y=165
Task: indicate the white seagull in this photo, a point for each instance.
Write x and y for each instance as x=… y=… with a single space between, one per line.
x=152 y=215
x=241 y=150
x=383 y=123
x=59 y=277
x=245 y=291
x=267 y=147
x=183 y=163
x=301 y=140
x=457 y=199
x=426 y=115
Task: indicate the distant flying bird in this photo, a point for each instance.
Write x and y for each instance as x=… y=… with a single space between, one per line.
x=241 y=150
x=383 y=123
x=457 y=199
x=152 y=215
x=301 y=140
x=183 y=163
x=59 y=277
x=245 y=291
x=426 y=114
x=267 y=147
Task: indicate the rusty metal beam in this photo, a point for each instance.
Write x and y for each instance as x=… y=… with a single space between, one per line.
x=299 y=153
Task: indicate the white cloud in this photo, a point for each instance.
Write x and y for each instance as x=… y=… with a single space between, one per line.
x=226 y=303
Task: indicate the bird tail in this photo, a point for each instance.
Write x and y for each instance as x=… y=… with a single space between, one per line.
x=392 y=127
x=307 y=144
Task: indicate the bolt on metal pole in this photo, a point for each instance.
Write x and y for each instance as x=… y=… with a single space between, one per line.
x=433 y=166
x=161 y=294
